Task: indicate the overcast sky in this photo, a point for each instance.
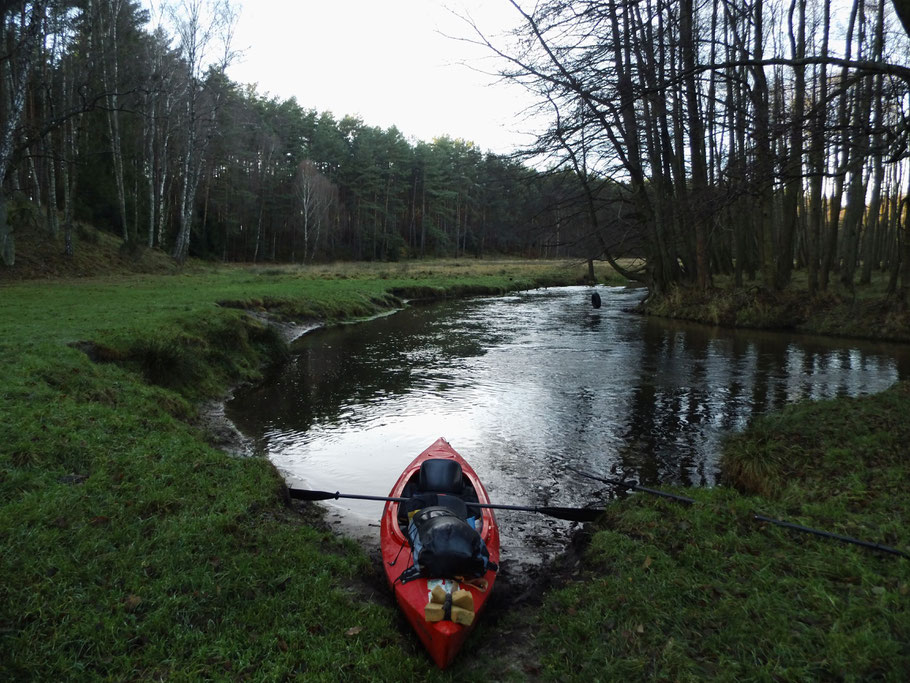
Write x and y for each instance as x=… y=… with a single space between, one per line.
x=385 y=61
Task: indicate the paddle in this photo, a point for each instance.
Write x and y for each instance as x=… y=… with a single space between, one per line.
x=633 y=485
x=570 y=514
x=828 y=534
x=759 y=518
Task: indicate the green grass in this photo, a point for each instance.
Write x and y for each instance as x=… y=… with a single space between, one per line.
x=706 y=592
x=110 y=307
x=129 y=548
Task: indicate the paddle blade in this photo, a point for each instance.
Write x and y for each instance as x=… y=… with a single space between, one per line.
x=305 y=494
x=572 y=514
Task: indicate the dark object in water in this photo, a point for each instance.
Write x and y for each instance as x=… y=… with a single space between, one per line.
x=595 y=300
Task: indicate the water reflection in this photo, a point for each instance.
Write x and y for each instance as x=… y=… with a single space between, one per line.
x=527 y=385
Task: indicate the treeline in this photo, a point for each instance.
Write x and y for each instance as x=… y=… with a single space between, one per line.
x=745 y=137
x=129 y=121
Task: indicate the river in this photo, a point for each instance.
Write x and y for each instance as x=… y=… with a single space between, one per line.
x=526 y=386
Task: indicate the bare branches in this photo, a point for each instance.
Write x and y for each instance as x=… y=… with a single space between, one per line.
x=663 y=95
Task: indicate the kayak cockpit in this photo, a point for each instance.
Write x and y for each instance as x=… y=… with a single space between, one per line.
x=440 y=482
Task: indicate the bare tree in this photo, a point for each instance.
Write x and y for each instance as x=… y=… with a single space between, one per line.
x=623 y=80
x=204 y=29
x=105 y=17
x=22 y=33
x=315 y=195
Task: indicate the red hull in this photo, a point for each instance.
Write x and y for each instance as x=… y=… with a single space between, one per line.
x=443 y=639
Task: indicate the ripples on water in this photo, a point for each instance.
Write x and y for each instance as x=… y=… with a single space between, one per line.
x=526 y=385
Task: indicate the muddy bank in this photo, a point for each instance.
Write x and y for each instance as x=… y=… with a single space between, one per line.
x=289 y=330
x=219 y=430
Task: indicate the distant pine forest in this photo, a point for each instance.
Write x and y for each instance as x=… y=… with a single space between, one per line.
x=138 y=131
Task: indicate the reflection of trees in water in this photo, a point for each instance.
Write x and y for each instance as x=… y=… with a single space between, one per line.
x=695 y=384
x=665 y=426
x=335 y=370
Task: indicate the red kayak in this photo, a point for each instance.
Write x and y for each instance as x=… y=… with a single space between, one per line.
x=439 y=470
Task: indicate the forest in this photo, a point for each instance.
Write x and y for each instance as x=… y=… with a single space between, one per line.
x=128 y=122
x=746 y=138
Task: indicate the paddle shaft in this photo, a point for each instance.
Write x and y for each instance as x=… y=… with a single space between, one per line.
x=571 y=514
x=828 y=534
x=761 y=518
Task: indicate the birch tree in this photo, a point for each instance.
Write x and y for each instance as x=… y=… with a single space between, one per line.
x=22 y=25
x=315 y=195
x=204 y=30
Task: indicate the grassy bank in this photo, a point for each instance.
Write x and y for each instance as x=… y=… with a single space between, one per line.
x=129 y=548
x=864 y=312
x=704 y=592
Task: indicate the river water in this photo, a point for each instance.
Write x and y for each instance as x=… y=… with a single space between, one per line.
x=526 y=386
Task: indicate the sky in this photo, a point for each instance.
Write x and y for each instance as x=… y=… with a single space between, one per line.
x=389 y=62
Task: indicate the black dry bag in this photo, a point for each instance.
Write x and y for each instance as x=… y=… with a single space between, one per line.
x=444 y=545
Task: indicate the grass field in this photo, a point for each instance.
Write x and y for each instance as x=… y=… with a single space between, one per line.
x=131 y=549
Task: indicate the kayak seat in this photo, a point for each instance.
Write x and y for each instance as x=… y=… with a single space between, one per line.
x=439 y=482
x=441 y=476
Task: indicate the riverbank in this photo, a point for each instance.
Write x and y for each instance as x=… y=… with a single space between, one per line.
x=706 y=592
x=866 y=312
x=131 y=547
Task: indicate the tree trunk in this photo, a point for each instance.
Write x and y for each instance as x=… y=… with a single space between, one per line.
x=794 y=168
x=817 y=161
x=15 y=69
x=829 y=248
x=877 y=152
x=905 y=249
x=110 y=78
x=764 y=167
x=856 y=193
x=696 y=146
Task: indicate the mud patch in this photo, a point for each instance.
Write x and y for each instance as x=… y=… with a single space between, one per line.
x=220 y=432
